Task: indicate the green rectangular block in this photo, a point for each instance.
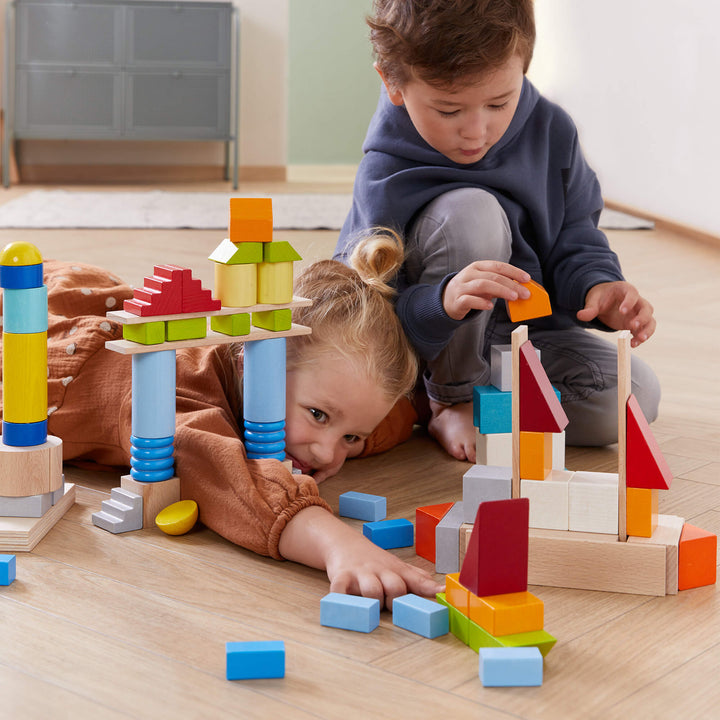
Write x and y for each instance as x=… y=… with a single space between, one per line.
x=280 y=251
x=540 y=639
x=275 y=320
x=232 y=325
x=459 y=623
x=186 y=329
x=149 y=333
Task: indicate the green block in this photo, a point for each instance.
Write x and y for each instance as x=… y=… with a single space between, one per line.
x=275 y=320
x=279 y=251
x=540 y=639
x=243 y=253
x=459 y=623
x=186 y=329
x=149 y=333
x=479 y=637
x=231 y=324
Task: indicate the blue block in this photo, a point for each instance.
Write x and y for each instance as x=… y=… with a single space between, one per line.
x=251 y=660
x=153 y=394
x=25 y=311
x=492 y=409
x=264 y=381
x=510 y=667
x=362 y=506
x=350 y=612
x=21 y=276
x=24 y=434
x=421 y=616
x=7 y=569
x=390 y=533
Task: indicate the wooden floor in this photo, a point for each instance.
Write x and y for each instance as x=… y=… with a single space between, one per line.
x=135 y=625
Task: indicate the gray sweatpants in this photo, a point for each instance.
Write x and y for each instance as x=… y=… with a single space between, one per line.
x=465 y=225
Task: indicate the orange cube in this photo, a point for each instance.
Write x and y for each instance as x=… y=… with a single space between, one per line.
x=535 y=455
x=508 y=614
x=697 y=558
x=251 y=220
x=641 y=511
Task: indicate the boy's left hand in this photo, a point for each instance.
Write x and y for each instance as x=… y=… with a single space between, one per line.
x=621 y=307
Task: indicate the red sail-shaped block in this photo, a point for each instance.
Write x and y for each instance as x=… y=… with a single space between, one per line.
x=646 y=466
x=540 y=409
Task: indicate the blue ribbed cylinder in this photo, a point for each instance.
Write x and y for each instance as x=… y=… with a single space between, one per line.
x=151 y=459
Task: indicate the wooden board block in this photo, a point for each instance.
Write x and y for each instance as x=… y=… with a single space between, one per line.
x=31 y=470
x=668 y=531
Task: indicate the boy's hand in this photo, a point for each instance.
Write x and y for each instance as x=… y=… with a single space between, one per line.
x=478 y=284
x=621 y=307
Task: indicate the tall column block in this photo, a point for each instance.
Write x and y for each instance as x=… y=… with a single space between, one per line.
x=153 y=394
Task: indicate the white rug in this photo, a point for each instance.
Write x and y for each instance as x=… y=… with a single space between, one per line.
x=198 y=210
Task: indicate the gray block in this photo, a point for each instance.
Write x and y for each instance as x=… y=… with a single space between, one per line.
x=123 y=512
x=482 y=483
x=26 y=506
x=447 y=540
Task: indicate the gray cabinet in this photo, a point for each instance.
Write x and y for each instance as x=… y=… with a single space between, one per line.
x=130 y=69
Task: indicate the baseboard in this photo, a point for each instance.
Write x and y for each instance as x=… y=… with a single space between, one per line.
x=322 y=173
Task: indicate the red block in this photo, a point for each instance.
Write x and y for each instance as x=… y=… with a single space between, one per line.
x=540 y=409
x=196 y=298
x=496 y=561
x=426 y=520
x=646 y=466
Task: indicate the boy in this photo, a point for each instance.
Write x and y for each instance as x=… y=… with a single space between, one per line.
x=486 y=181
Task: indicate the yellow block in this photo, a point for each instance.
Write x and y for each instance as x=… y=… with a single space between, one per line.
x=24 y=377
x=507 y=614
x=641 y=511
x=535 y=455
x=456 y=593
x=236 y=285
x=178 y=518
x=275 y=282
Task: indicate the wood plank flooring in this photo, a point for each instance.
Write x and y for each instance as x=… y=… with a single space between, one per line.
x=134 y=626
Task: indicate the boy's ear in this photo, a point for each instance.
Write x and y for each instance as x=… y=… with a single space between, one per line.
x=395 y=94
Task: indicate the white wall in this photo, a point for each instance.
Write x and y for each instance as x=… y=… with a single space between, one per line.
x=640 y=78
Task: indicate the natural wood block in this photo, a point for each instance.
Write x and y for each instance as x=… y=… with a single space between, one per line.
x=275 y=282
x=32 y=470
x=668 y=531
x=156 y=495
x=548 y=500
x=493 y=448
x=641 y=511
x=593 y=502
x=236 y=285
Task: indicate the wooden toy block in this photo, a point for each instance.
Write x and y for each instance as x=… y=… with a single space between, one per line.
x=33 y=506
x=236 y=285
x=149 y=333
x=153 y=394
x=350 y=612
x=196 y=298
x=251 y=220
x=280 y=251
x=501 y=366
x=492 y=409
x=20 y=266
x=624 y=387
x=592 y=502
x=548 y=500
x=541 y=639
x=25 y=310
x=510 y=667
x=646 y=465
x=8 y=569
x=668 y=531
x=458 y=624
x=641 y=511
x=558 y=451
x=507 y=614
x=122 y=513
x=264 y=402
x=276 y=320
x=482 y=483
x=390 y=534
x=517 y=338
x=540 y=408
x=32 y=470
x=24 y=434
x=497 y=554
x=478 y=637
x=421 y=616
x=447 y=535
x=537 y=305
x=186 y=329
x=155 y=495
x=24 y=368
x=234 y=325
x=535 y=455
x=178 y=518
x=362 y=506
x=697 y=558
x=230 y=253
x=456 y=593
x=161 y=294
x=254 y=660
x=426 y=521
x=493 y=448
x=275 y=282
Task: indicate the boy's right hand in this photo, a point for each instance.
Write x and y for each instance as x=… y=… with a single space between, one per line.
x=477 y=285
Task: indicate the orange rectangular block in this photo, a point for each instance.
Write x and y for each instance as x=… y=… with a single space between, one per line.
x=507 y=614
x=251 y=220
x=535 y=455
x=641 y=514
x=697 y=558
x=456 y=593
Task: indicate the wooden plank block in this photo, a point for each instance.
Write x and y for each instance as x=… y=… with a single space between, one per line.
x=624 y=389
x=518 y=337
x=668 y=531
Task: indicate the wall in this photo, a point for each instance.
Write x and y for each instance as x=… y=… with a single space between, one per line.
x=640 y=80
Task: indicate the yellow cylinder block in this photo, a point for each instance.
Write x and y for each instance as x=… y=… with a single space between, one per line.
x=24 y=377
x=275 y=282
x=236 y=285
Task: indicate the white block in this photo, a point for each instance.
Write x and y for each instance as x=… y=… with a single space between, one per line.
x=493 y=448
x=482 y=483
x=593 y=502
x=501 y=366
x=548 y=500
x=558 y=451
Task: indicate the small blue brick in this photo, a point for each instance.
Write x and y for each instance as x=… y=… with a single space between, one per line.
x=252 y=660
x=362 y=506
x=421 y=616
x=350 y=612
x=390 y=533
x=492 y=409
x=510 y=667
x=7 y=569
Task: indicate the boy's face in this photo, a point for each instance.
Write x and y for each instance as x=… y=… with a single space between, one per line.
x=465 y=121
x=331 y=410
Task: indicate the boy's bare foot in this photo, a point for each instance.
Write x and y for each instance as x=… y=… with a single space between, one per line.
x=452 y=426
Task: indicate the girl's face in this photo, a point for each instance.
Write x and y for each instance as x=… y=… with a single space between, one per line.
x=332 y=408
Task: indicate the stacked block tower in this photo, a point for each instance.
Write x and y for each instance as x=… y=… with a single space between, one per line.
x=33 y=496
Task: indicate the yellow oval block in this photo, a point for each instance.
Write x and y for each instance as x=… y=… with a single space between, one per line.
x=20 y=253
x=178 y=518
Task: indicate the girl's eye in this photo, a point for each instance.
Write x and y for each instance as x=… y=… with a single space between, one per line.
x=318 y=415
x=351 y=439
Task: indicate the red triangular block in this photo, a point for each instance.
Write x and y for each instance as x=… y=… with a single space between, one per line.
x=540 y=409
x=646 y=466
x=496 y=561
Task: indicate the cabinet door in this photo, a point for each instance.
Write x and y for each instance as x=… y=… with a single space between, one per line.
x=179 y=35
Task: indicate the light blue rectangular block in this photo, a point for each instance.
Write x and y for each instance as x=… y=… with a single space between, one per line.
x=421 y=616
x=7 y=569
x=362 y=506
x=510 y=666
x=350 y=612
x=492 y=409
x=257 y=659
x=264 y=380
x=153 y=394
x=390 y=534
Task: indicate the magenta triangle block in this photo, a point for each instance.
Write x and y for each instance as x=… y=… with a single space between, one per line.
x=646 y=466
x=540 y=409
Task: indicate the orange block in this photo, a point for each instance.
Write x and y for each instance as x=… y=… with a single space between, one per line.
x=537 y=305
x=456 y=593
x=508 y=614
x=697 y=558
x=251 y=220
x=426 y=520
x=641 y=511
x=535 y=455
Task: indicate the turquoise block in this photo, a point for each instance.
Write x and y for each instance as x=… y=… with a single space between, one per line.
x=25 y=311
x=7 y=569
x=421 y=616
x=362 y=506
x=492 y=409
x=350 y=612
x=510 y=667
x=252 y=660
x=390 y=533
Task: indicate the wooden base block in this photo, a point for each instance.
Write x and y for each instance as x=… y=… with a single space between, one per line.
x=23 y=534
x=156 y=495
x=32 y=470
x=668 y=531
